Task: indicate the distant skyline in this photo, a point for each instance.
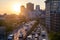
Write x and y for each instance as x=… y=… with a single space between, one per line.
x=6 y=6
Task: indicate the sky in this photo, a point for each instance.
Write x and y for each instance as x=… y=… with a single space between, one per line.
x=6 y=6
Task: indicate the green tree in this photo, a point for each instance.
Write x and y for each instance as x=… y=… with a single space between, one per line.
x=1 y=22
x=54 y=36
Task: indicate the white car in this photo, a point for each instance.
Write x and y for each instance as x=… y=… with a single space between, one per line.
x=29 y=37
x=10 y=37
x=43 y=39
x=43 y=33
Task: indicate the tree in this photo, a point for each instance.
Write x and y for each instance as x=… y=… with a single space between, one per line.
x=54 y=36
x=1 y=22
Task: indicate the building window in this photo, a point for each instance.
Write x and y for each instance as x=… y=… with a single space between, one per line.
x=51 y=11
x=54 y=11
x=55 y=4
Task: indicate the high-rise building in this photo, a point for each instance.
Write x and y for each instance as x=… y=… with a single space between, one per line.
x=38 y=7
x=53 y=15
x=30 y=6
x=22 y=8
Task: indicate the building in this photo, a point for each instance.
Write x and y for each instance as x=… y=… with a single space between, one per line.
x=22 y=9
x=2 y=17
x=42 y=17
x=2 y=33
x=23 y=13
x=35 y=14
x=38 y=7
x=29 y=13
x=2 y=28
x=53 y=15
x=30 y=6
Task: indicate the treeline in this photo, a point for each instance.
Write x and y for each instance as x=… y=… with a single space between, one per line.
x=10 y=22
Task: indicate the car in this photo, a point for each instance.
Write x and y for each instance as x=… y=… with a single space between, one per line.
x=43 y=33
x=10 y=37
x=43 y=39
x=36 y=35
x=29 y=37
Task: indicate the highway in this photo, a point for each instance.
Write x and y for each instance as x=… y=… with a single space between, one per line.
x=21 y=31
x=39 y=32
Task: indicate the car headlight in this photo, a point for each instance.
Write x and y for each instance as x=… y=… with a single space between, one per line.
x=43 y=39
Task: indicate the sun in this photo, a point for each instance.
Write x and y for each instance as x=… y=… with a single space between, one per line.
x=16 y=8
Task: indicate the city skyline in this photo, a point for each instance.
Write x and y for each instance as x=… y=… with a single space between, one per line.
x=13 y=6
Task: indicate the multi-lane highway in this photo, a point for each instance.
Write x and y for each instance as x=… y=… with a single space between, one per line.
x=39 y=32
x=21 y=31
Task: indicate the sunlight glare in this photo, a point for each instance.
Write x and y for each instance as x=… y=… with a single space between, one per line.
x=16 y=8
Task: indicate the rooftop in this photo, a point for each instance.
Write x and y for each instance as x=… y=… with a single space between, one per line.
x=51 y=1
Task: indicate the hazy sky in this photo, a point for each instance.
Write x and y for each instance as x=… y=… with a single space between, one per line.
x=6 y=5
